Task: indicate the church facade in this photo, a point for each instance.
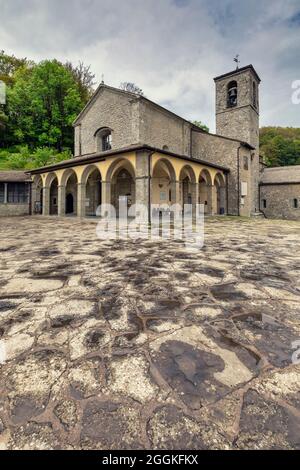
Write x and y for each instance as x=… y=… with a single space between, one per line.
x=127 y=146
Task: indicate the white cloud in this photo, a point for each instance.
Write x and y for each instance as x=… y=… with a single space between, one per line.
x=170 y=48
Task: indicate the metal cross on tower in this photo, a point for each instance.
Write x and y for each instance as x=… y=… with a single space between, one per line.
x=237 y=61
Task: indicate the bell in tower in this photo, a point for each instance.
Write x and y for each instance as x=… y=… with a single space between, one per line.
x=232 y=94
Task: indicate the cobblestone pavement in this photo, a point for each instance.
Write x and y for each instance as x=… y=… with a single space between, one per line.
x=132 y=345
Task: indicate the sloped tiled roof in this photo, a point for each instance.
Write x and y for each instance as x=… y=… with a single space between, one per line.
x=12 y=176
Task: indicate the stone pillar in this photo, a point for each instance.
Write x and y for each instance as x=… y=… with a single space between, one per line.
x=214 y=204
x=195 y=197
x=5 y=193
x=105 y=197
x=175 y=192
x=61 y=201
x=46 y=200
x=81 y=199
x=143 y=185
x=210 y=199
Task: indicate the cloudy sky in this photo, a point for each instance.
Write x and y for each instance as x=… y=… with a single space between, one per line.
x=171 y=48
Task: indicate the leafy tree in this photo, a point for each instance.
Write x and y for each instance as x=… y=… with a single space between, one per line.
x=9 y=64
x=42 y=105
x=280 y=146
x=132 y=88
x=200 y=125
x=84 y=78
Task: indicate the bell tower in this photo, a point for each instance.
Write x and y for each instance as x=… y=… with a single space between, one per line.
x=237 y=114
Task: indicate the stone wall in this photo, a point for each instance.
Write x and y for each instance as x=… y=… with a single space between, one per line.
x=241 y=122
x=162 y=129
x=280 y=201
x=10 y=209
x=112 y=109
x=224 y=152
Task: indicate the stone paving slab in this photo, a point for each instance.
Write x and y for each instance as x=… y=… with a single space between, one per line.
x=143 y=344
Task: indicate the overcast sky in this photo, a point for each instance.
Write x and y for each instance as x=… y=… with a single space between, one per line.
x=171 y=48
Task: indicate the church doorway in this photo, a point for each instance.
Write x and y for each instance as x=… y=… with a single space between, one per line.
x=205 y=190
x=93 y=192
x=54 y=197
x=187 y=189
x=71 y=193
x=220 y=194
x=123 y=189
x=69 y=204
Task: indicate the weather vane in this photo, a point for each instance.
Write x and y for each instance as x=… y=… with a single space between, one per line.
x=102 y=79
x=237 y=61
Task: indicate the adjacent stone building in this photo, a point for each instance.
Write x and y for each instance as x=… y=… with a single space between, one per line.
x=280 y=192
x=15 y=193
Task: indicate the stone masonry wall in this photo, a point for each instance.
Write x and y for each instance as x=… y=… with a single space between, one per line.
x=10 y=209
x=117 y=111
x=279 y=199
x=242 y=121
x=159 y=128
x=224 y=152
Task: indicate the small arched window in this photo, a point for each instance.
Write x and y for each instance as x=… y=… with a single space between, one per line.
x=254 y=95
x=232 y=94
x=103 y=139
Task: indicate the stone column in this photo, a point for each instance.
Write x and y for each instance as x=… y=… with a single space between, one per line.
x=105 y=197
x=81 y=199
x=210 y=198
x=143 y=185
x=195 y=197
x=5 y=193
x=214 y=208
x=61 y=201
x=175 y=192
x=46 y=200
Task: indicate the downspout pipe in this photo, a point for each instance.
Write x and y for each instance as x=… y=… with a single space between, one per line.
x=149 y=186
x=227 y=195
x=238 y=181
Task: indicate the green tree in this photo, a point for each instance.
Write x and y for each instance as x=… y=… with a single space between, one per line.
x=280 y=145
x=42 y=105
x=200 y=125
x=9 y=64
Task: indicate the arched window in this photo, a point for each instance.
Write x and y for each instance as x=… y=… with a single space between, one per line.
x=254 y=95
x=103 y=139
x=232 y=94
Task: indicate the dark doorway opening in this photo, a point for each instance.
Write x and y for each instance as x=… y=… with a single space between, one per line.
x=69 y=204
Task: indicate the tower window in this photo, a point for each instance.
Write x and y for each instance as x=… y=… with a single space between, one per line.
x=232 y=94
x=246 y=163
x=264 y=203
x=296 y=203
x=254 y=95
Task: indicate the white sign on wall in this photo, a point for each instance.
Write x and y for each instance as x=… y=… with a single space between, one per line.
x=244 y=188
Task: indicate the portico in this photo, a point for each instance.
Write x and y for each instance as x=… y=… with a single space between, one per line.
x=142 y=175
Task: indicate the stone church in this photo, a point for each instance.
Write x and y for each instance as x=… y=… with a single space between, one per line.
x=127 y=146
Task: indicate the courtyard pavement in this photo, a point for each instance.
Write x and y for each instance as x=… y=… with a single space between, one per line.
x=134 y=345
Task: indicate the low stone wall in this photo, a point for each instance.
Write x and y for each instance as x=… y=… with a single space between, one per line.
x=10 y=209
x=279 y=201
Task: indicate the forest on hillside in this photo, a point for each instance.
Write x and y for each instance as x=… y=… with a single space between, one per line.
x=42 y=100
x=280 y=146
